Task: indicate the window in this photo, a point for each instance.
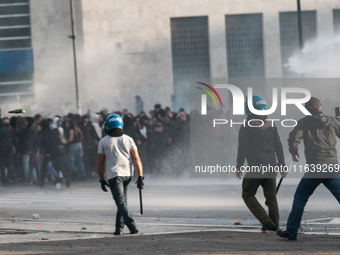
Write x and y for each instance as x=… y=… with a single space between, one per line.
x=190 y=54
x=16 y=66
x=244 y=45
x=289 y=35
x=336 y=21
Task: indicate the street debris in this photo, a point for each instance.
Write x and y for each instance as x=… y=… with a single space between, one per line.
x=237 y=223
x=16 y=221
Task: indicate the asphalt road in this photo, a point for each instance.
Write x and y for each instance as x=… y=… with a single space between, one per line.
x=183 y=216
x=210 y=242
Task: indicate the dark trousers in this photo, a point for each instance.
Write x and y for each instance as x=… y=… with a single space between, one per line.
x=6 y=162
x=304 y=190
x=57 y=164
x=90 y=159
x=33 y=163
x=119 y=187
x=16 y=162
x=249 y=189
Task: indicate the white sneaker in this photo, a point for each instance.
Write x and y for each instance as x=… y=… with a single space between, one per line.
x=58 y=186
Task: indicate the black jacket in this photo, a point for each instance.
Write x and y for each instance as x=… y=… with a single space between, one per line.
x=319 y=133
x=259 y=145
x=49 y=142
x=90 y=136
x=180 y=135
x=28 y=138
x=5 y=140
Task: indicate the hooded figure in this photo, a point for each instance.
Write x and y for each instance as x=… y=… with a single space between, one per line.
x=56 y=126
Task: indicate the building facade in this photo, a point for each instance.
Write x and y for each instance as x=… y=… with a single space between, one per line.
x=16 y=55
x=153 y=48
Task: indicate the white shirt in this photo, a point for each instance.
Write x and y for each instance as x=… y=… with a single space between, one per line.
x=118 y=160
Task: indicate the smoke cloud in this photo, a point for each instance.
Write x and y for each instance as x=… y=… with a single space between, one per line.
x=318 y=59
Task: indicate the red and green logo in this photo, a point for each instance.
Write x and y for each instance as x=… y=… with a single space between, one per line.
x=209 y=93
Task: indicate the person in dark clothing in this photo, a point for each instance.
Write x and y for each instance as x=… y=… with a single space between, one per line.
x=13 y=121
x=6 y=121
x=157 y=107
x=158 y=140
x=22 y=148
x=32 y=147
x=129 y=125
x=40 y=159
x=260 y=144
x=187 y=115
x=6 y=153
x=180 y=140
x=318 y=132
x=50 y=151
x=172 y=116
x=90 y=146
x=37 y=117
x=162 y=116
x=71 y=116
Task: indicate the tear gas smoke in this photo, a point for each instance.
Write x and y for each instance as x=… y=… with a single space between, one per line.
x=318 y=59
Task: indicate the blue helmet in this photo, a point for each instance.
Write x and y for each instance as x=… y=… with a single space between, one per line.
x=259 y=103
x=113 y=121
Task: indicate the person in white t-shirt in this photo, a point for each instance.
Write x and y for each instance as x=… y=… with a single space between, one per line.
x=117 y=153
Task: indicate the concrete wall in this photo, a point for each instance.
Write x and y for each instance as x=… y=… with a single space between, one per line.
x=53 y=55
x=127 y=46
x=128 y=52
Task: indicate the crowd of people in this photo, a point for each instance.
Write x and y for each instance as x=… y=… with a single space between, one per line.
x=62 y=149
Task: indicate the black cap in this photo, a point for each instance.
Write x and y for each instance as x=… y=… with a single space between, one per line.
x=313 y=105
